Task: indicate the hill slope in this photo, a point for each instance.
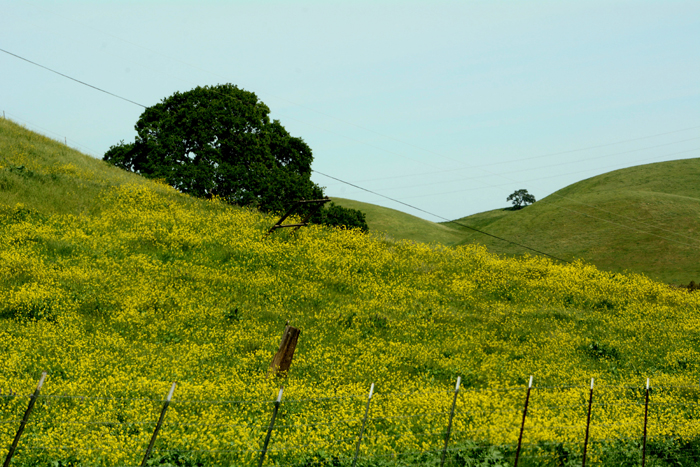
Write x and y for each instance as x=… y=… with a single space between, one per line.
x=643 y=219
x=118 y=286
x=398 y=225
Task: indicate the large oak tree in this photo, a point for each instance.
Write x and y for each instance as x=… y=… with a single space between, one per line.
x=220 y=141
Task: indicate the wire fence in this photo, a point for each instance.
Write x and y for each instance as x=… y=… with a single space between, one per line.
x=562 y=425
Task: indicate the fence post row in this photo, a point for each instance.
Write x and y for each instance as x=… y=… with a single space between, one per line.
x=272 y=425
x=278 y=402
x=588 y=424
x=522 y=426
x=449 y=423
x=23 y=423
x=158 y=425
x=362 y=428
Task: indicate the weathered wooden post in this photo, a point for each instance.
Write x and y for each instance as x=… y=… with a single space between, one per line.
x=449 y=424
x=588 y=425
x=522 y=426
x=270 y=428
x=158 y=425
x=283 y=358
x=23 y=423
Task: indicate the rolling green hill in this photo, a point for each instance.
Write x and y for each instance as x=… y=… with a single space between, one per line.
x=644 y=219
x=398 y=225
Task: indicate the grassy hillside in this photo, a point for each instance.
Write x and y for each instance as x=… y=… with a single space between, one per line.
x=117 y=286
x=643 y=219
x=398 y=225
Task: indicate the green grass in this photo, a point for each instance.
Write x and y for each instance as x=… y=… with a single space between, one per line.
x=51 y=178
x=397 y=225
x=643 y=219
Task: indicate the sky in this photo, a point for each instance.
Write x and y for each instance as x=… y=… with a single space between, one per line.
x=445 y=106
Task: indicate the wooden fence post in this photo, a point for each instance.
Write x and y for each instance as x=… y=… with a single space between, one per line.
x=270 y=428
x=522 y=426
x=23 y=423
x=588 y=424
x=362 y=429
x=449 y=424
x=158 y=425
x=282 y=360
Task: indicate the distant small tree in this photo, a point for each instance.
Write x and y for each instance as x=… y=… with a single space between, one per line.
x=520 y=199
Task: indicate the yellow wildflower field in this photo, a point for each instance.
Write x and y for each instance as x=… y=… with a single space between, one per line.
x=146 y=287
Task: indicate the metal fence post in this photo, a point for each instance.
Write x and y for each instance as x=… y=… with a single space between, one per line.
x=272 y=425
x=158 y=425
x=588 y=424
x=23 y=423
x=646 y=411
x=522 y=426
x=362 y=429
x=449 y=424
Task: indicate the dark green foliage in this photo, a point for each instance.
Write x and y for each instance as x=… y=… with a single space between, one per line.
x=604 y=304
x=602 y=351
x=218 y=141
x=338 y=216
x=664 y=452
x=233 y=316
x=38 y=309
x=520 y=199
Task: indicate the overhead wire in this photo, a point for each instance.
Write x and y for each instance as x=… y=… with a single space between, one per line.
x=423 y=174
x=530 y=169
x=444 y=218
x=626 y=226
x=337 y=179
x=354 y=124
x=413 y=207
x=71 y=78
x=511 y=182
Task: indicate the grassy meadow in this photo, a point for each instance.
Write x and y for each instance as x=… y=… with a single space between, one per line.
x=397 y=225
x=118 y=286
x=643 y=219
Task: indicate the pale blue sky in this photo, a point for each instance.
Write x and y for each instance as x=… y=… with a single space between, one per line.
x=449 y=106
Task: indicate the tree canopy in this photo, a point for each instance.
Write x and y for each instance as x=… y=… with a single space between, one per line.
x=219 y=141
x=520 y=199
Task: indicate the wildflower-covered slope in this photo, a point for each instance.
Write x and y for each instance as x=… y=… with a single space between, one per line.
x=118 y=286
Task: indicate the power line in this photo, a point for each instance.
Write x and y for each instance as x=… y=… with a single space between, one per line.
x=320 y=173
x=511 y=181
x=357 y=125
x=73 y=79
x=443 y=218
x=370 y=191
x=624 y=217
x=518 y=160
